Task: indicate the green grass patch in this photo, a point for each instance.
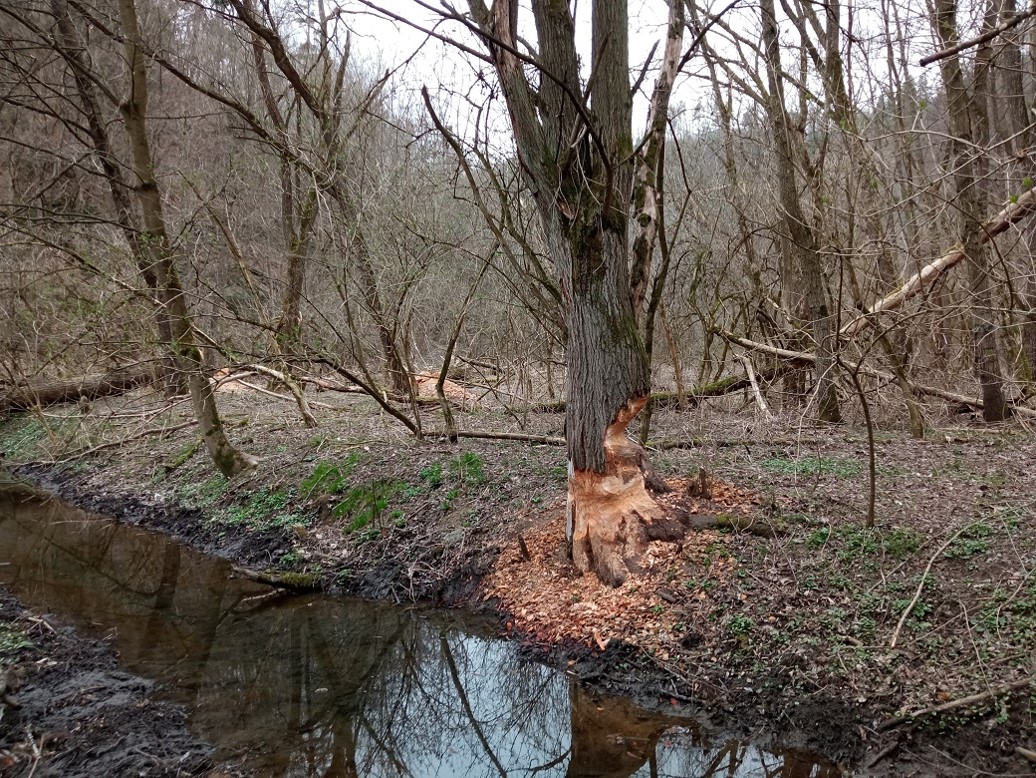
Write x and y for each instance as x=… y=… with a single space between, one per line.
x=844 y=468
x=364 y=505
x=204 y=493
x=21 y=438
x=12 y=640
x=329 y=477
x=468 y=468
x=263 y=509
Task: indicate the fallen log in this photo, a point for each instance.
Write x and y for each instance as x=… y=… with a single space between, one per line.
x=803 y=356
x=692 y=397
x=1011 y=214
x=32 y=394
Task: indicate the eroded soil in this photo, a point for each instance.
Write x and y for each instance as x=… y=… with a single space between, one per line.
x=802 y=624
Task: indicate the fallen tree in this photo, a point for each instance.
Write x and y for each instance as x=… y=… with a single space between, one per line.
x=1010 y=215
x=690 y=397
x=32 y=394
x=860 y=369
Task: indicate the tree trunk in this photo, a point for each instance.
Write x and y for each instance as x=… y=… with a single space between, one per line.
x=71 y=46
x=969 y=123
x=41 y=393
x=800 y=235
x=577 y=159
x=159 y=252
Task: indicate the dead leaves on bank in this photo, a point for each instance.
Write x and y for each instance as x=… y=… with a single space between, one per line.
x=546 y=598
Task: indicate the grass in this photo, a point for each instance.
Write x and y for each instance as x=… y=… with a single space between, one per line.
x=12 y=640
x=843 y=468
x=263 y=509
x=203 y=494
x=468 y=468
x=20 y=438
x=328 y=477
x=363 y=505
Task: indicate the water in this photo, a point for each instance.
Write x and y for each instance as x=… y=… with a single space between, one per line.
x=311 y=685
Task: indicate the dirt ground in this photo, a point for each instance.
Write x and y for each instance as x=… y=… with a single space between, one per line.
x=77 y=714
x=905 y=648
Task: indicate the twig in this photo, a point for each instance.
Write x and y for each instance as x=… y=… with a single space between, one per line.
x=886 y=751
x=279 y=396
x=920 y=586
x=985 y=37
x=1025 y=753
x=543 y=439
x=958 y=703
x=124 y=441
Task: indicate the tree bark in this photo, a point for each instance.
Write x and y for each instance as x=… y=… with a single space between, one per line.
x=159 y=252
x=803 y=243
x=969 y=123
x=70 y=44
x=41 y=393
x=577 y=159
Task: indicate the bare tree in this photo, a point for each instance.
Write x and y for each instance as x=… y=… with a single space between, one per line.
x=158 y=249
x=576 y=150
x=969 y=122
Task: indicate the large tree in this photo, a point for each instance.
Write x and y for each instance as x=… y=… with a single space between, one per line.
x=575 y=143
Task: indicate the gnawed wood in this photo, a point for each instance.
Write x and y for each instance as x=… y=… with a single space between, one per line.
x=1010 y=215
x=610 y=510
x=31 y=394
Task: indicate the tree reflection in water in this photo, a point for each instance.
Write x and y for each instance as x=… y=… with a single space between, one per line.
x=322 y=686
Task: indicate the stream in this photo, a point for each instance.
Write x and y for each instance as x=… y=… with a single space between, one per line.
x=315 y=685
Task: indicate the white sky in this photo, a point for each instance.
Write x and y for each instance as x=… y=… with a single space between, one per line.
x=452 y=77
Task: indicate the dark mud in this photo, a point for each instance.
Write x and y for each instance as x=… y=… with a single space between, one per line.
x=80 y=715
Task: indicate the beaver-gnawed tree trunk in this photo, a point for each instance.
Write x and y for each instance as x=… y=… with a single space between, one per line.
x=577 y=155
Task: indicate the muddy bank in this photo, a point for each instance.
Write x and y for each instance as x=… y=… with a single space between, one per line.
x=77 y=713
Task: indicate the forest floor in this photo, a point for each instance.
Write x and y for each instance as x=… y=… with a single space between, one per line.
x=797 y=622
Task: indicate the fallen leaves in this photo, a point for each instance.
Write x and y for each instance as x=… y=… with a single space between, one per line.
x=548 y=599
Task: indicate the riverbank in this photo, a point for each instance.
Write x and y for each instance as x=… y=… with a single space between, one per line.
x=70 y=711
x=797 y=621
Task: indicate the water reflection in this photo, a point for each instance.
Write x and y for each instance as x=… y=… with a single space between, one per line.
x=320 y=686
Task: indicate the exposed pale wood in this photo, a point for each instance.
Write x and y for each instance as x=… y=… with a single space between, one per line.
x=1009 y=215
x=610 y=509
x=293 y=387
x=759 y=400
x=53 y=391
